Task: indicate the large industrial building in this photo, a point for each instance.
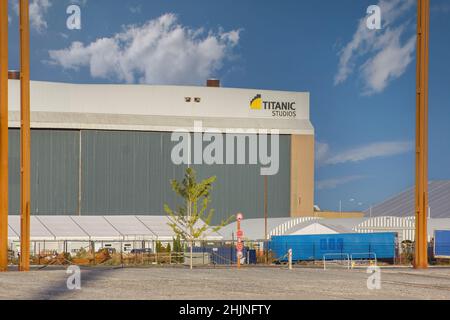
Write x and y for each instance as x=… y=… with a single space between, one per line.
x=108 y=149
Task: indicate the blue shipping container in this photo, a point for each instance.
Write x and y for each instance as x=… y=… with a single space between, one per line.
x=334 y=246
x=442 y=243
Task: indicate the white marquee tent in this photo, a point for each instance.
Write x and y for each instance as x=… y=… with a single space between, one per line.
x=98 y=228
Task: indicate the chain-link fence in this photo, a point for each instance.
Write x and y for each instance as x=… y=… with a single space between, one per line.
x=140 y=253
x=205 y=253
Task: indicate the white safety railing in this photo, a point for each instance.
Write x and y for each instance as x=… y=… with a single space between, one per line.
x=368 y=254
x=335 y=255
x=290 y=259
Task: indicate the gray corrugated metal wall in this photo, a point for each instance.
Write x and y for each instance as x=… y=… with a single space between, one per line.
x=128 y=173
x=240 y=188
x=54 y=171
x=14 y=171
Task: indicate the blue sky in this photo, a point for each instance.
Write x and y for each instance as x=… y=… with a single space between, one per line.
x=362 y=82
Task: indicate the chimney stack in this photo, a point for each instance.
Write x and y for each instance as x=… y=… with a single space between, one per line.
x=13 y=75
x=213 y=83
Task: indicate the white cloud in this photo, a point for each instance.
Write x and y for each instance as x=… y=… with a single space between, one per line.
x=379 y=55
x=37 y=10
x=440 y=8
x=322 y=151
x=161 y=51
x=389 y=63
x=79 y=2
x=136 y=9
x=370 y=151
x=334 y=183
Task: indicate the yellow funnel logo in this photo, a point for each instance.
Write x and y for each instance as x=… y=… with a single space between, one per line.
x=256 y=103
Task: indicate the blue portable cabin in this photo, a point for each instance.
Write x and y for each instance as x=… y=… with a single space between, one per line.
x=226 y=255
x=442 y=243
x=335 y=246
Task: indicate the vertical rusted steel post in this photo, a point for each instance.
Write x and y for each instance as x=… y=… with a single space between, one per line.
x=3 y=135
x=25 y=140
x=421 y=192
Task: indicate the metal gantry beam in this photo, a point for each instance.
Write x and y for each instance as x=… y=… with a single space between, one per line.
x=3 y=135
x=421 y=192
x=25 y=141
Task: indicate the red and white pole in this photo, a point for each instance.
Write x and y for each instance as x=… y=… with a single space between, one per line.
x=239 y=245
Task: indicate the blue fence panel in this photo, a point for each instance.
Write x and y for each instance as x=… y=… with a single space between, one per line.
x=442 y=243
x=334 y=246
x=225 y=255
x=251 y=256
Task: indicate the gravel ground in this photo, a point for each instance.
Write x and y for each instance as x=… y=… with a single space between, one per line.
x=215 y=284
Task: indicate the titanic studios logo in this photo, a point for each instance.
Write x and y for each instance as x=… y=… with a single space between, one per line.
x=281 y=109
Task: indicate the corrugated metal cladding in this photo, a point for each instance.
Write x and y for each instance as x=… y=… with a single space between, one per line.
x=128 y=173
x=240 y=188
x=54 y=171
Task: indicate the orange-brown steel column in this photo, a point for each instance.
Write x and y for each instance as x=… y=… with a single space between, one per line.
x=3 y=135
x=25 y=136
x=423 y=30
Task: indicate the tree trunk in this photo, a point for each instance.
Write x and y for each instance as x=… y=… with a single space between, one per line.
x=191 y=263
x=189 y=207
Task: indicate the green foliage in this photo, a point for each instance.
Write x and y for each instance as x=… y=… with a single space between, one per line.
x=177 y=246
x=168 y=248
x=159 y=247
x=186 y=220
x=407 y=251
x=178 y=249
